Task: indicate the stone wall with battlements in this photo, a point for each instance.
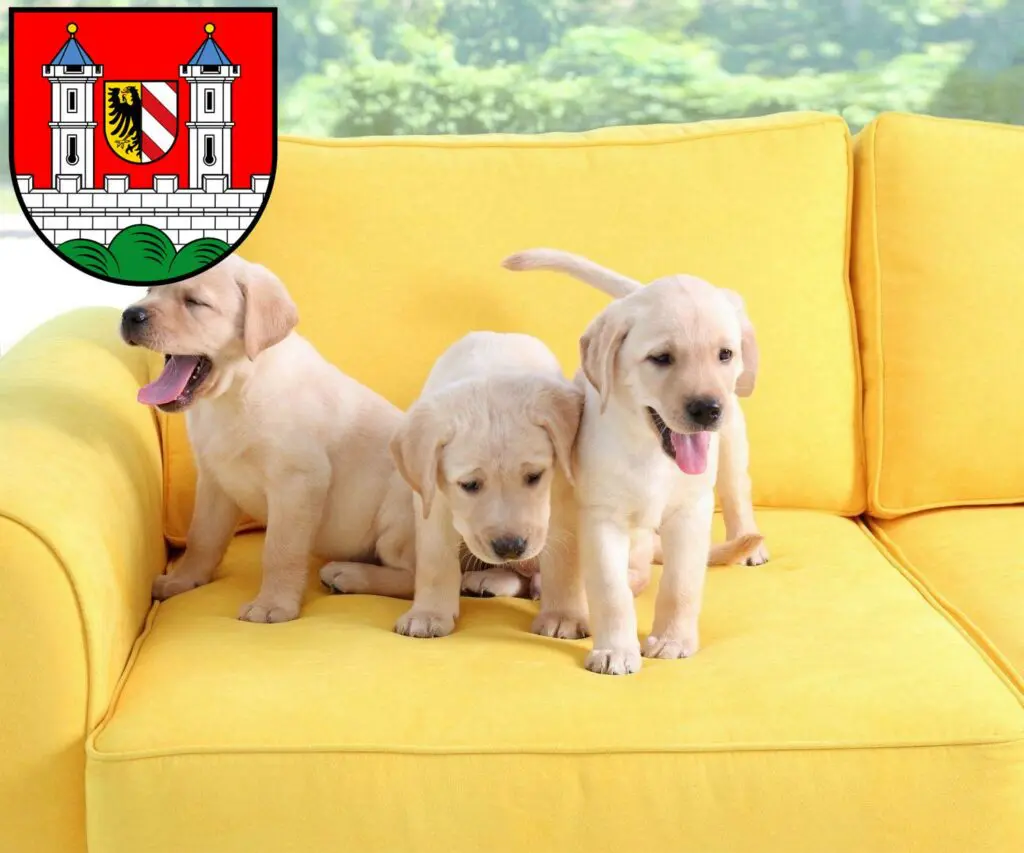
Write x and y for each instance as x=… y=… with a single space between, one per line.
x=69 y=212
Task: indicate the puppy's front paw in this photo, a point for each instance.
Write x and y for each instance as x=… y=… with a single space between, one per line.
x=562 y=626
x=493 y=584
x=268 y=610
x=171 y=584
x=613 y=661
x=345 y=578
x=672 y=645
x=422 y=623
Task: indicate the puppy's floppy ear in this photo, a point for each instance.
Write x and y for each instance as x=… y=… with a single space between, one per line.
x=416 y=448
x=750 y=354
x=558 y=408
x=270 y=313
x=599 y=347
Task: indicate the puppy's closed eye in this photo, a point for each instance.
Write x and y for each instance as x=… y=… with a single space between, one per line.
x=192 y=302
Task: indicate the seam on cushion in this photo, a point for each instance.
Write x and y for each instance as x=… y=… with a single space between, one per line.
x=334 y=749
x=952 y=614
x=129 y=667
x=903 y=512
x=851 y=307
x=876 y=287
x=534 y=141
x=947 y=120
x=82 y=622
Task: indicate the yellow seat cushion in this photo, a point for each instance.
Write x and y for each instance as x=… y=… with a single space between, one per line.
x=973 y=559
x=831 y=708
x=939 y=284
x=391 y=248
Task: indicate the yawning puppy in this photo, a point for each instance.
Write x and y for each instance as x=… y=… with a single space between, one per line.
x=663 y=366
x=277 y=432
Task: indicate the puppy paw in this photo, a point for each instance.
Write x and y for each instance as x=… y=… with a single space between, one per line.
x=422 y=623
x=672 y=646
x=613 y=661
x=561 y=626
x=759 y=556
x=345 y=578
x=493 y=584
x=535 y=587
x=268 y=611
x=171 y=584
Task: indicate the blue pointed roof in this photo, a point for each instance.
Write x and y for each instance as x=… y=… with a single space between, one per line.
x=209 y=52
x=72 y=54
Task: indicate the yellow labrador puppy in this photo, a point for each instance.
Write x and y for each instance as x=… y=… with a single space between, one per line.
x=663 y=365
x=487 y=449
x=277 y=433
x=733 y=484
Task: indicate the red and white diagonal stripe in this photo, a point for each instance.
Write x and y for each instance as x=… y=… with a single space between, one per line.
x=159 y=119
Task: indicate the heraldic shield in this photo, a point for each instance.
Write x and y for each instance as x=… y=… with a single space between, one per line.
x=143 y=142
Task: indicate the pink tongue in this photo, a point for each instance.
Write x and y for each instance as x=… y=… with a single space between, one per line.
x=168 y=386
x=691 y=451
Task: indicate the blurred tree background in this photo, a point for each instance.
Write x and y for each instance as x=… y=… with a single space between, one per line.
x=358 y=67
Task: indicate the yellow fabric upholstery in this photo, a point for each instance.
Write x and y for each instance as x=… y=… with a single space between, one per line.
x=391 y=248
x=80 y=541
x=937 y=277
x=831 y=708
x=972 y=559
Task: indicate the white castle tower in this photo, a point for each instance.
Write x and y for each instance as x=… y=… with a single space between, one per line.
x=72 y=75
x=210 y=74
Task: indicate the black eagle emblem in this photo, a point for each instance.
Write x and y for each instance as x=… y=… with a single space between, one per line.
x=124 y=109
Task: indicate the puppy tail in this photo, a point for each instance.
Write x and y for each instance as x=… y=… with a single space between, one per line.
x=604 y=279
x=724 y=553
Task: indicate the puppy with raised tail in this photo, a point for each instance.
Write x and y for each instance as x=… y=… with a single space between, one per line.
x=663 y=367
x=277 y=432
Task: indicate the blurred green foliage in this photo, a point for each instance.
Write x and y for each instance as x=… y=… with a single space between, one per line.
x=358 y=67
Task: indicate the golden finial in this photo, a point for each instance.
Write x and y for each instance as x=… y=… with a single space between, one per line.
x=72 y=28
x=209 y=29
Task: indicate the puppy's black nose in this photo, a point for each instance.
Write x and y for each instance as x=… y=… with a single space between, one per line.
x=132 y=320
x=704 y=411
x=509 y=547
x=133 y=317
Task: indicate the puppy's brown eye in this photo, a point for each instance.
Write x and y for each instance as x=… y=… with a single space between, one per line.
x=470 y=486
x=725 y=355
x=662 y=359
x=534 y=478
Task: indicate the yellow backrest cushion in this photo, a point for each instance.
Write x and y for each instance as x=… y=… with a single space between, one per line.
x=391 y=248
x=938 y=277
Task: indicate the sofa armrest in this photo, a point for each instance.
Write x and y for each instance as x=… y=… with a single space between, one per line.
x=80 y=542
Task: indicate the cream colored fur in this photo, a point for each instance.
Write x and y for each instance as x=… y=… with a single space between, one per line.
x=279 y=434
x=656 y=348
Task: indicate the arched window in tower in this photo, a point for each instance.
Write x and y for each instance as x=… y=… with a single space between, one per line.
x=209 y=101
x=72 y=157
x=208 y=156
x=72 y=101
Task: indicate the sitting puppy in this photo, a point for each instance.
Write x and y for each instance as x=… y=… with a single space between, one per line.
x=277 y=433
x=663 y=366
x=487 y=449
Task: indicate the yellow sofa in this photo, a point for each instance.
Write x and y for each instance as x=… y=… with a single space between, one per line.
x=860 y=693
